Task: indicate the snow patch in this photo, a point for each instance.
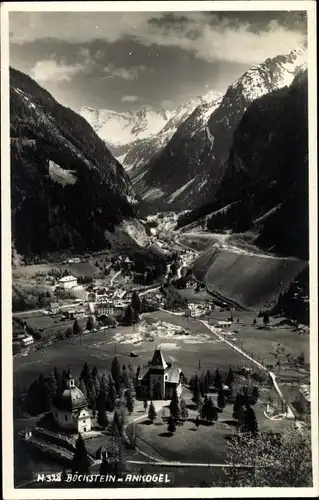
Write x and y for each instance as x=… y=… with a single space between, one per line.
x=179 y=191
x=61 y=176
x=153 y=194
x=210 y=137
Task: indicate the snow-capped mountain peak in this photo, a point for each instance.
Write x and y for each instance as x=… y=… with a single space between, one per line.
x=119 y=129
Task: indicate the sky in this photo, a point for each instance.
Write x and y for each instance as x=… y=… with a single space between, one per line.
x=128 y=60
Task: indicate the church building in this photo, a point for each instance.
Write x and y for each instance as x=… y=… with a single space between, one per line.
x=69 y=408
x=158 y=379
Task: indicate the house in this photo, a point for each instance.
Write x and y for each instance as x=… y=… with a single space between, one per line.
x=159 y=379
x=27 y=340
x=191 y=283
x=101 y=453
x=128 y=263
x=187 y=281
x=69 y=408
x=76 y=312
x=304 y=398
x=54 y=307
x=225 y=324
x=80 y=312
x=105 y=308
x=68 y=282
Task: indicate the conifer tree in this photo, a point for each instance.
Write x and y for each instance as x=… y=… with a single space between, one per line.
x=197 y=422
x=111 y=394
x=196 y=391
x=183 y=410
x=174 y=406
x=102 y=418
x=125 y=376
x=81 y=461
x=151 y=412
x=116 y=373
x=82 y=387
x=230 y=378
x=221 y=399
x=90 y=323
x=210 y=410
x=85 y=373
x=255 y=394
x=136 y=302
x=171 y=425
x=218 y=380
x=237 y=408
x=76 y=328
x=250 y=423
x=94 y=372
x=129 y=402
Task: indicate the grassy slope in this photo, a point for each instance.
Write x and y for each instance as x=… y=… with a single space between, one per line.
x=251 y=280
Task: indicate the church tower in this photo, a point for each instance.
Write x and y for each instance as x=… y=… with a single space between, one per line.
x=157 y=370
x=70 y=383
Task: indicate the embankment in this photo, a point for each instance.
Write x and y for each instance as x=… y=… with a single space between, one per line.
x=252 y=280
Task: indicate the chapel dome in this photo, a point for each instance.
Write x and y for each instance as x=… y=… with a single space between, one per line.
x=70 y=399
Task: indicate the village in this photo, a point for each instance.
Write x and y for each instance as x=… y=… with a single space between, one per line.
x=111 y=375
x=123 y=366
x=100 y=297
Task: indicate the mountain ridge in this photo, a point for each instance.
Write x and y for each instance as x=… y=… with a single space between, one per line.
x=193 y=159
x=65 y=184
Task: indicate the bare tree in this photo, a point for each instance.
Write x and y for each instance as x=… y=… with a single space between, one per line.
x=271 y=459
x=132 y=433
x=286 y=359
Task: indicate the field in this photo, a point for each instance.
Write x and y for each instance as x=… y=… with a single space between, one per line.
x=99 y=348
x=50 y=325
x=80 y=269
x=252 y=280
x=208 y=443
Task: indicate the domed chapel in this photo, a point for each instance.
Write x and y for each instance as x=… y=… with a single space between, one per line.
x=69 y=408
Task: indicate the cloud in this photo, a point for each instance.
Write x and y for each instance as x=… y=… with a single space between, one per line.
x=49 y=70
x=168 y=104
x=130 y=98
x=208 y=36
x=225 y=40
x=128 y=74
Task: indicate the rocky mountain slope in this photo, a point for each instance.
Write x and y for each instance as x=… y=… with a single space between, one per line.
x=120 y=130
x=142 y=150
x=188 y=171
x=265 y=183
x=66 y=187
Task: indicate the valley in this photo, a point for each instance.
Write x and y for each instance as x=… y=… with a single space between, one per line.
x=160 y=274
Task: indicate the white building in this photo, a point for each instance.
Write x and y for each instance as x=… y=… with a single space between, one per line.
x=303 y=397
x=27 y=340
x=68 y=282
x=69 y=408
x=106 y=309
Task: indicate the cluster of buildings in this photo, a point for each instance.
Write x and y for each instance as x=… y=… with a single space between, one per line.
x=20 y=337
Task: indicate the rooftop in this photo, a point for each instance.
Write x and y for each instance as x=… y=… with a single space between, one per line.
x=158 y=360
x=305 y=391
x=65 y=279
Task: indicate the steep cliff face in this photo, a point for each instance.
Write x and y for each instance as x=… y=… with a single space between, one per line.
x=188 y=172
x=143 y=150
x=173 y=176
x=66 y=187
x=265 y=182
